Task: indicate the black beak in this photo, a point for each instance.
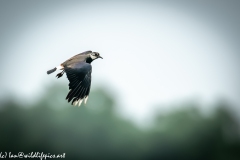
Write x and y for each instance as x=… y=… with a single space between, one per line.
x=100 y=57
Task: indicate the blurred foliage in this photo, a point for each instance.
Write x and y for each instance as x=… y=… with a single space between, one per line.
x=95 y=131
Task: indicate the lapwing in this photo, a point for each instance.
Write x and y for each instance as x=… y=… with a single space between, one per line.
x=78 y=70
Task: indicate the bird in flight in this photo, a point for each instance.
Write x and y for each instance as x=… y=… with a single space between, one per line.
x=78 y=70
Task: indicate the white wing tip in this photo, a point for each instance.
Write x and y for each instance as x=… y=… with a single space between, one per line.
x=85 y=100
x=75 y=103
x=80 y=102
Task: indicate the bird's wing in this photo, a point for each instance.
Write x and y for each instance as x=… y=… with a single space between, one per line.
x=79 y=76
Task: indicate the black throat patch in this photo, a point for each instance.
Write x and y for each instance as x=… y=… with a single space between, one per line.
x=89 y=60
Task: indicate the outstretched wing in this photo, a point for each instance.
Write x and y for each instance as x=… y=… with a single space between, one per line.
x=79 y=76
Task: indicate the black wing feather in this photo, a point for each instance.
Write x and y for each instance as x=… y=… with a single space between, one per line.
x=79 y=77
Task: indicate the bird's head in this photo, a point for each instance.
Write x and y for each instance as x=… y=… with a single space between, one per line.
x=95 y=55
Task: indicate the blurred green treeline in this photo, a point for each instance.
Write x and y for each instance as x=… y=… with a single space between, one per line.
x=95 y=131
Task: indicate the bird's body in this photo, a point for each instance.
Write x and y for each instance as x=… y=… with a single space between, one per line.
x=78 y=70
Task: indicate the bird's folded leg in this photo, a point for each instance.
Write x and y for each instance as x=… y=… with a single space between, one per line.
x=60 y=74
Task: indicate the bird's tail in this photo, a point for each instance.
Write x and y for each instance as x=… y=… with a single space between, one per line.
x=51 y=70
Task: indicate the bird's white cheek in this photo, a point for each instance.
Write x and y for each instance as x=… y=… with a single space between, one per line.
x=93 y=57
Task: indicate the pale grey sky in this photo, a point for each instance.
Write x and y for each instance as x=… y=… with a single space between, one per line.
x=154 y=52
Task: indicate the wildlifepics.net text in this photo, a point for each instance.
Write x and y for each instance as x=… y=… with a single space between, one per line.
x=39 y=155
